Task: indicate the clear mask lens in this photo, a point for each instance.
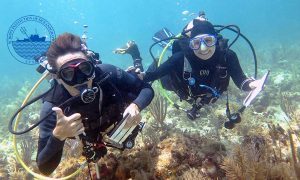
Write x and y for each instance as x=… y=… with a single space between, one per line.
x=209 y=41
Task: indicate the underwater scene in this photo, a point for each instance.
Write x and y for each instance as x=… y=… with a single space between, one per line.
x=247 y=128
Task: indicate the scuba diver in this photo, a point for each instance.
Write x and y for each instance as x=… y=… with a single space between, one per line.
x=200 y=67
x=99 y=103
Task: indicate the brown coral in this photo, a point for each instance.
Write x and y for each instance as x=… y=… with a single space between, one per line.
x=67 y=167
x=178 y=153
x=3 y=170
x=253 y=160
x=192 y=174
x=158 y=109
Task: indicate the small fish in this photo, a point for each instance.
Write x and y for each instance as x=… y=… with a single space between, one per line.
x=75 y=22
x=186 y=12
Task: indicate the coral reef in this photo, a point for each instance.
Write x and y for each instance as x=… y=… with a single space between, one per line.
x=192 y=174
x=27 y=147
x=3 y=170
x=15 y=171
x=171 y=158
x=256 y=158
x=67 y=167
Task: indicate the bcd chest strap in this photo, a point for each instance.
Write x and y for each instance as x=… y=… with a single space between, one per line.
x=218 y=85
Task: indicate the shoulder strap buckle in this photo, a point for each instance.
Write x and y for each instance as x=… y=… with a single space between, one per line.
x=187 y=69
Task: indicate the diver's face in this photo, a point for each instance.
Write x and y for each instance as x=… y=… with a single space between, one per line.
x=74 y=71
x=203 y=45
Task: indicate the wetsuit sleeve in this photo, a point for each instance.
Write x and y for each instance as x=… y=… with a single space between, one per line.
x=142 y=91
x=235 y=71
x=145 y=95
x=49 y=147
x=163 y=69
x=131 y=86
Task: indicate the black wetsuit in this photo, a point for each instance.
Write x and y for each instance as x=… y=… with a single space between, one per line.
x=203 y=71
x=118 y=91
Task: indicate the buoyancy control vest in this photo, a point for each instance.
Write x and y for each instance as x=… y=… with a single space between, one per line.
x=100 y=114
x=181 y=86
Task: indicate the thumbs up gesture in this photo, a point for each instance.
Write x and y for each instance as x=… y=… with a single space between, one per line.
x=67 y=126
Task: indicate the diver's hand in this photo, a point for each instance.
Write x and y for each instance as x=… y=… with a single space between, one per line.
x=67 y=126
x=133 y=117
x=141 y=75
x=131 y=69
x=260 y=83
x=138 y=72
x=254 y=84
x=132 y=110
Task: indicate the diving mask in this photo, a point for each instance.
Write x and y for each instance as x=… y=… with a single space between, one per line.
x=207 y=39
x=76 y=71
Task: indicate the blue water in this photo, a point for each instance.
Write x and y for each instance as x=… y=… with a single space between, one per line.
x=114 y=22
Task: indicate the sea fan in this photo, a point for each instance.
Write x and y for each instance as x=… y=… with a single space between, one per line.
x=245 y=162
x=192 y=174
